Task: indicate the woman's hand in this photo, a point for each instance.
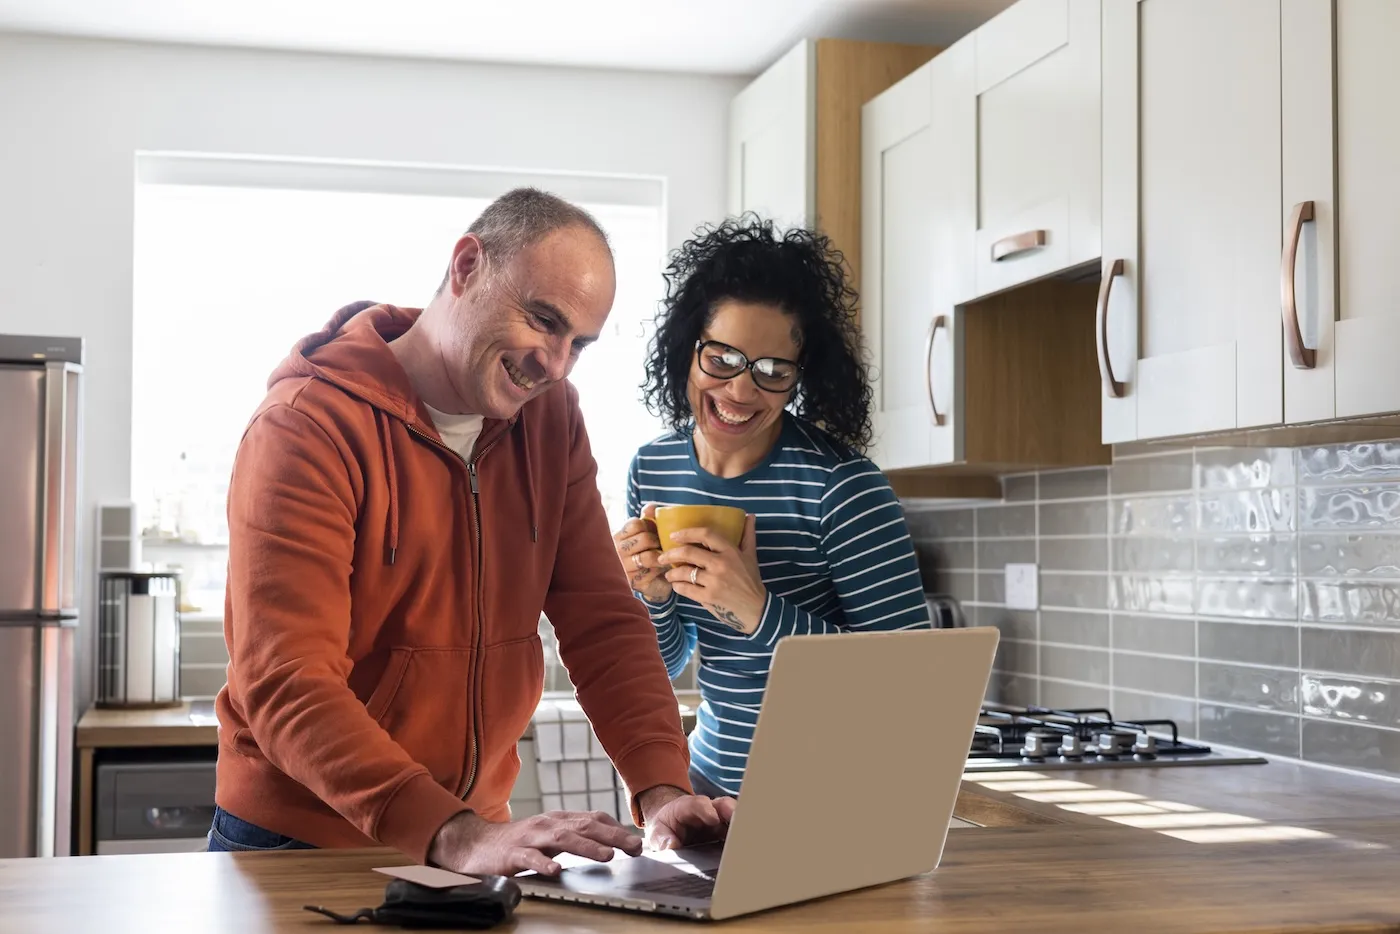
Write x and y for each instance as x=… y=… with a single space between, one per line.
x=638 y=549
x=722 y=578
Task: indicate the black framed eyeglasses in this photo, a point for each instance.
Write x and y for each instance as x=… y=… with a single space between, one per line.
x=772 y=374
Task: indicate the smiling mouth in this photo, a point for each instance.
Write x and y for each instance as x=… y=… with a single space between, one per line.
x=518 y=378
x=728 y=416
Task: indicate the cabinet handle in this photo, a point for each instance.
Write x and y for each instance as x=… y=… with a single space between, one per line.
x=939 y=322
x=1304 y=358
x=1111 y=385
x=1016 y=244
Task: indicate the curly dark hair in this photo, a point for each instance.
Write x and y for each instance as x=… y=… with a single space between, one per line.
x=748 y=259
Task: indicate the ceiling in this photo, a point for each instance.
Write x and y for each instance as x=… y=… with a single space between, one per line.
x=736 y=37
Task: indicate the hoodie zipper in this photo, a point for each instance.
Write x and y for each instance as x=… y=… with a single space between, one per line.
x=474 y=703
x=480 y=629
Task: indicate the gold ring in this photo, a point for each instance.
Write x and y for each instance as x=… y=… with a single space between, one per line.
x=637 y=560
x=694 y=572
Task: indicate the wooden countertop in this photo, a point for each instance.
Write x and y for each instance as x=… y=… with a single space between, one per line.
x=172 y=726
x=1275 y=791
x=1047 y=878
x=165 y=726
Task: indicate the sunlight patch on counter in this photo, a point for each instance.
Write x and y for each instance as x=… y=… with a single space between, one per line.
x=1259 y=833
x=1186 y=822
x=1048 y=784
x=1080 y=795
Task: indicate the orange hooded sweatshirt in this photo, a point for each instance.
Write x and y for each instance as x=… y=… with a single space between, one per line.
x=384 y=598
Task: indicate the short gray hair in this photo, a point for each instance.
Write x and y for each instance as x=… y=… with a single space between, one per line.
x=522 y=217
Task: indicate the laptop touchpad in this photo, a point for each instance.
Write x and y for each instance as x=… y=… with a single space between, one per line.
x=584 y=875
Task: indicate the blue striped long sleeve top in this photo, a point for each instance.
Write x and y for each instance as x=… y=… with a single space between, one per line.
x=834 y=553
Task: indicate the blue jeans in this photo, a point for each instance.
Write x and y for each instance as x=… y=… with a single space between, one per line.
x=231 y=834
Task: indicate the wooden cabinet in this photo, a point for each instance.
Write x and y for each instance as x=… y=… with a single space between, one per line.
x=1188 y=325
x=1249 y=232
x=794 y=135
x=964 y=390
x=1339 y=275
x=1036 y=123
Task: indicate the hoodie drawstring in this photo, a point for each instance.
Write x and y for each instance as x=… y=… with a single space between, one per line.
x=529 y=486
x=391 y=474
x=393 y=477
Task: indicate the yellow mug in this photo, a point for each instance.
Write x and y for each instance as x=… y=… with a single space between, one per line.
x=727 y=521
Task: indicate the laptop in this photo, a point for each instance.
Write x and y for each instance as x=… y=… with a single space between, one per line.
x=854 y=770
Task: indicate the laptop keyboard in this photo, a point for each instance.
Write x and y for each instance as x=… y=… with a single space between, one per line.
x=687 y=884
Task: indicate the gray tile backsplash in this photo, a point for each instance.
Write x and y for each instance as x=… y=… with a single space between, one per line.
x=1351 y=745
x=1353 y=699
x=1176 y=676
x=1257 y=688
x=1376 y=461
x=1005 y=522
x=1353 y=555
x=1250 y=594
x=994 y=553
x=1374 y=603
x=1267 y=733
x=1083 y=518
x=1153 y=635
x=1074 y=664
x=1362 y=652
x=1070 y=628
x=1074 y=554
x=1073 y=484
x=1253 y=554
x=1255 y=644
x=1152 y=474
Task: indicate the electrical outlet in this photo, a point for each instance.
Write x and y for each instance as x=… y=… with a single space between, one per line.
x=1022 y=587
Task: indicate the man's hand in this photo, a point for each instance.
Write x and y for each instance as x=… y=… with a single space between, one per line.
x=468 y=844
x=675 y=819
x=722 y=578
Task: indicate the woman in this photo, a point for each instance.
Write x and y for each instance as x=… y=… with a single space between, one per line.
x=756 y=346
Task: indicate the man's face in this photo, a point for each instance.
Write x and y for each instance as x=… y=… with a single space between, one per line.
x=512 y=332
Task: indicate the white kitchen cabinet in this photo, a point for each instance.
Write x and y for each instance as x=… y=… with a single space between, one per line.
x=1340 y=286
x=965 y=389
x=794 y=136
x=772 y=141
x=1188 y=324
x=918 y=195
x=1037 y=129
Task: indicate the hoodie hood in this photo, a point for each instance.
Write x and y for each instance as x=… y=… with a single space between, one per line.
x=352 y=353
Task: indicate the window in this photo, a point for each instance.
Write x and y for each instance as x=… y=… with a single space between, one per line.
x=236 y=259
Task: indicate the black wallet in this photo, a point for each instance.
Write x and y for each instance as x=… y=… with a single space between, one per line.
x=476 y=906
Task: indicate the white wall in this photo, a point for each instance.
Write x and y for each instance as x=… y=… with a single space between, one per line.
x=73 y=113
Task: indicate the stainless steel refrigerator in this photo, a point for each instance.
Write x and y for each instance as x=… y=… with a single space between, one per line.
x=40 y=435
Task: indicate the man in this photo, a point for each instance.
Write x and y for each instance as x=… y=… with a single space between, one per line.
x=413 y=491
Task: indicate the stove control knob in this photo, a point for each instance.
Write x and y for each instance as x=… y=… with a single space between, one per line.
x=1145 y=745
x=1112 y=744
x=1071 y=746
x=1036 y=747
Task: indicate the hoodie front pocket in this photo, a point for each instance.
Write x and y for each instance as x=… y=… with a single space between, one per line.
x=512 y=679
x=424 y=703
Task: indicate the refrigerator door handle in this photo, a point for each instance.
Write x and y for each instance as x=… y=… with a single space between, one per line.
x=59 y=492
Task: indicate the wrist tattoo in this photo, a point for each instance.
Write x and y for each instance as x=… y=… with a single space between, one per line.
x=727 y=616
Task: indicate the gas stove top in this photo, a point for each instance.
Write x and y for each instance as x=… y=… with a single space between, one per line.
x=1039 y=738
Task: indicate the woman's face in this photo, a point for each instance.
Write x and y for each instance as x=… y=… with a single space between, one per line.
x=733 y=415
